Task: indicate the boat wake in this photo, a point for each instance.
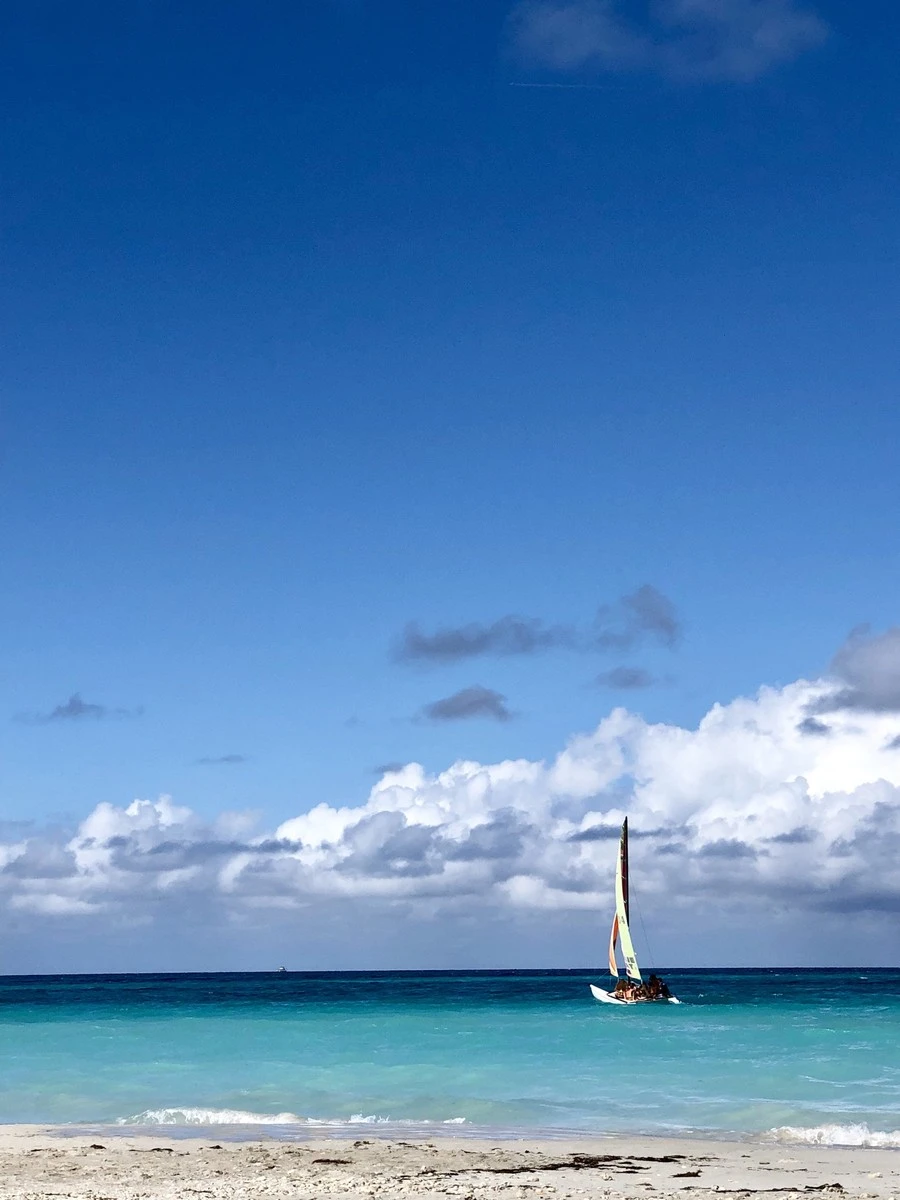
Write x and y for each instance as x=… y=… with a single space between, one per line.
x=836 y=1135
x=231 y=1116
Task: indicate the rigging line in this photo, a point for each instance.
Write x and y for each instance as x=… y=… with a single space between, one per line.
x=640 y=914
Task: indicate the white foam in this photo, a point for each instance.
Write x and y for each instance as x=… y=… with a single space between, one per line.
x=209 y=1116
x=836 y=1135
x=232 y=1116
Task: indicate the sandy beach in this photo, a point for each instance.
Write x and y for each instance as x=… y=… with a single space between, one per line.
x=46 y=1162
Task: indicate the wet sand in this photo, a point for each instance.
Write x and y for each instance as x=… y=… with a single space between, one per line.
x=38 y=1163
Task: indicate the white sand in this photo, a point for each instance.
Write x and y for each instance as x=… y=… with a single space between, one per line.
x=38 y=1163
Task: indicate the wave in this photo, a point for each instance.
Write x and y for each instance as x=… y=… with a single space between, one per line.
x=232 y=1116
x=836 y=1135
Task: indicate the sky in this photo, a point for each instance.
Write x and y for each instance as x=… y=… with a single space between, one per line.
x=427 y=434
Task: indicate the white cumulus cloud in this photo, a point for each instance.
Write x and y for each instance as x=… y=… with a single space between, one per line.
x=752 y=812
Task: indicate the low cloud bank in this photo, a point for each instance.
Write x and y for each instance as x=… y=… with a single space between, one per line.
x=753 y=810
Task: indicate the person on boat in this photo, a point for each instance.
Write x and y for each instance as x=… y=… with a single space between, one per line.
x=622 y=989
x=657 y=989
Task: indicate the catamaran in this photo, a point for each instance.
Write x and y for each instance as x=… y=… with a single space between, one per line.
x=653 y=991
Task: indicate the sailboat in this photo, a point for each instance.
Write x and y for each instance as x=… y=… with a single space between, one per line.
x=621 y=932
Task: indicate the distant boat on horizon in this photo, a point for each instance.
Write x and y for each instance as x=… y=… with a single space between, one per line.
x=655 y=991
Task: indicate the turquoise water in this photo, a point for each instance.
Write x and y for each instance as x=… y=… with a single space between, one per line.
x=747 y=1052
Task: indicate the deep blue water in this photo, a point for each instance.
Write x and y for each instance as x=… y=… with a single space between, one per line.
x=747 y=1051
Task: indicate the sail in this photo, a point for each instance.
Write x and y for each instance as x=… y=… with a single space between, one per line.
x=620 y=925
x=613 y=935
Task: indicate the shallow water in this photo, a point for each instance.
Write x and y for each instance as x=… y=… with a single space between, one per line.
x=748 y=1051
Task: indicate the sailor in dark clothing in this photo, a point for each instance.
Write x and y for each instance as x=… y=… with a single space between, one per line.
x=657 y=989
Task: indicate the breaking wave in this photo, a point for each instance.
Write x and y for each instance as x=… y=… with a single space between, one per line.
x=232 y=1116
x=836 y=1135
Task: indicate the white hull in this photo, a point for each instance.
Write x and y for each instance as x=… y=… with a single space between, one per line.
x=606 y=997
x=609 y=998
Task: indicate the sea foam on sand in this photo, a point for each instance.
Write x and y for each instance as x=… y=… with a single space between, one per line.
x=836 y=1135
x=231 y=1116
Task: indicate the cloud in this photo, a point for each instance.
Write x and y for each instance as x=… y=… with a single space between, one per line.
x=222 y=760
x=40 y=860
x=500 y=839
x=597 y=833
x=626 y=679
x=606 y=833
x=640 y=616
x=137 y=853
x=800 y=836
x=475 y=701
x=813 y=727
x=867 y=668
x=506 y=636
x=77 y=709
x=388 y=768
x=645 y=614
x=742 y=818
x=571 y=35
x=691 y=40
x=727 y=848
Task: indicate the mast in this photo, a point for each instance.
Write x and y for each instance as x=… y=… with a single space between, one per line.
x=620 y=928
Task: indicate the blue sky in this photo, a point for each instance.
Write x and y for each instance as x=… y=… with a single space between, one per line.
x=321 y=319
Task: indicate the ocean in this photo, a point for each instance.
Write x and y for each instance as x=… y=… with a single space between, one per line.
x=796 y=1055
